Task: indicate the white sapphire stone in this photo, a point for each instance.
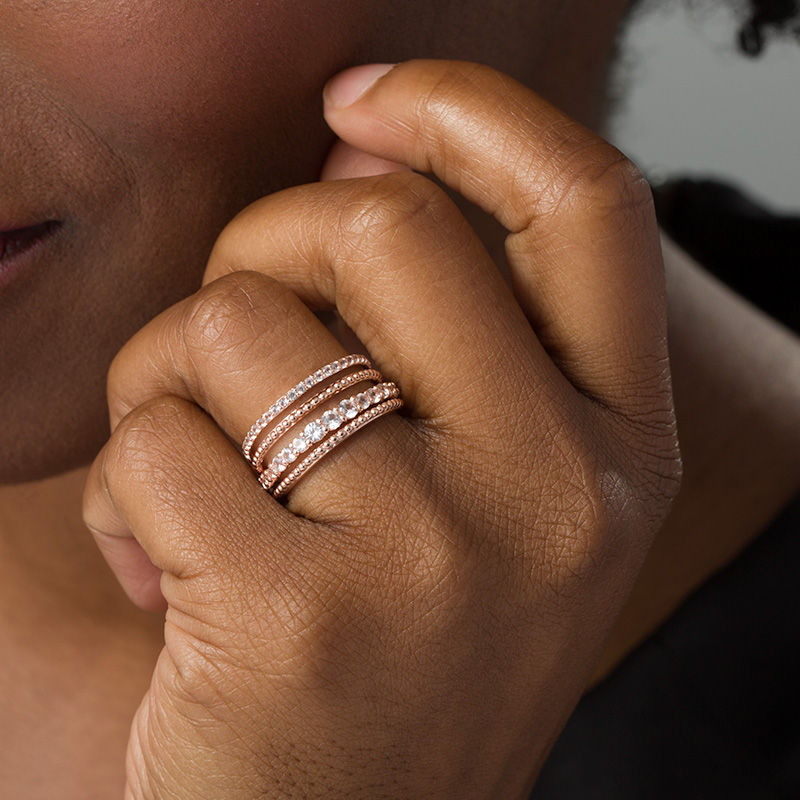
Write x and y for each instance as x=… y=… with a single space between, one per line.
x=287 y=455
x=331 y=420
x=363 y=401
x=314 y=431
x=300 y=444
x=348 y=408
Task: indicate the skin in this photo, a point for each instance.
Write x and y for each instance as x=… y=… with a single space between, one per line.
x=305 y=643
x=120 y=93
x=133 y=178
x=128 y=194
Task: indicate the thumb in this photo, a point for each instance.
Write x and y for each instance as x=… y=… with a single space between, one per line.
x=346 y=161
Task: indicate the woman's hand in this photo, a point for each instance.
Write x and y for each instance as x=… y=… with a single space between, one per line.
x=422 y=615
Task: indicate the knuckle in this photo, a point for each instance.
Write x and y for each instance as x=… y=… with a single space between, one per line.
x=598 y=178
x=165 y=724
x=230 y=312
x=621 y=498
x=593 y=525
x=585 y=520
x=145 y=438
x=386 y=203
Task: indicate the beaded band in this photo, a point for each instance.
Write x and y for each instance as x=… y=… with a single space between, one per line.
x=296 y=392
x=317 y=430
x=340 y=435
x=257 y=458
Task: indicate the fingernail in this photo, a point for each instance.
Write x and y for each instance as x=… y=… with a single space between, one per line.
x=345 y=88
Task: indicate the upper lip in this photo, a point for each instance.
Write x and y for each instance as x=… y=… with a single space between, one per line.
x=22 y=234
x=16 y=228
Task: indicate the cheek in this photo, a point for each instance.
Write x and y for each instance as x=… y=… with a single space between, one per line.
x=155 y=69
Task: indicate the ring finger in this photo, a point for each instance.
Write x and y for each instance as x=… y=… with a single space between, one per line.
x=234 y=348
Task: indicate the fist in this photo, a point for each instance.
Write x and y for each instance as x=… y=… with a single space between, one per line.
x=420 y=615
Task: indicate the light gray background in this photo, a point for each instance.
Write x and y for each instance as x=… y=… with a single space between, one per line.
x=692 y=104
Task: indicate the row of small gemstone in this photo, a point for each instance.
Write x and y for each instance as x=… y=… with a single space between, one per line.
x=319 y=428
x=257 y=459
x=296 y=392
x=343 y=432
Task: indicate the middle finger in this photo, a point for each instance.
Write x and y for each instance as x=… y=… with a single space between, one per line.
x=407 y=273
x=409 y=277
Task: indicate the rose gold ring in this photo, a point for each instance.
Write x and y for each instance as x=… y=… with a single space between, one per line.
x=318 y=429
x=297 y=391
x=346 y=430
x=257 y=459
x=322 y=433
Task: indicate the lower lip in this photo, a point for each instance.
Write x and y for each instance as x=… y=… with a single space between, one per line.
x=36 y=237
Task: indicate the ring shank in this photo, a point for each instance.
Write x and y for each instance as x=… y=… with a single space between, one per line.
x=351 y=414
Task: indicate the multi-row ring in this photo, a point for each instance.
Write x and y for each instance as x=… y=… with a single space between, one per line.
x=324 y=432
x=257 y=459
x=293 y=394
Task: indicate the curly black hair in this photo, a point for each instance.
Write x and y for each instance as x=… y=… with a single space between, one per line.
x=767 y=17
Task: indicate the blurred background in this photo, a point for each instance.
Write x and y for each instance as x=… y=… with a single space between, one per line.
x=690 y=103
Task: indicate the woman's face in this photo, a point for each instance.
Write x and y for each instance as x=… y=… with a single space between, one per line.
x=142 y=128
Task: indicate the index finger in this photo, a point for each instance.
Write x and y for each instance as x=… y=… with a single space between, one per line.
x=583 y=247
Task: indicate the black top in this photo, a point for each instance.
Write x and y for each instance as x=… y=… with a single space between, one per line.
x=708 y=706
